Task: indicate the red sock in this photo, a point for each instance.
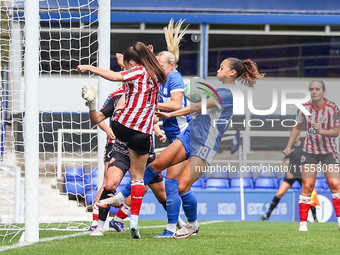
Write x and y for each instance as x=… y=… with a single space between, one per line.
x=95 y=212
x=304 y=206
x=122 y=213
x=336 y=204
x=137 y=192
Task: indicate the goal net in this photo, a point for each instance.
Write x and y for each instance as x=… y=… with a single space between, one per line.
x=67 y=140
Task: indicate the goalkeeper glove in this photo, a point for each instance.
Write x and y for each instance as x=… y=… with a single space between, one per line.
x=89 y=96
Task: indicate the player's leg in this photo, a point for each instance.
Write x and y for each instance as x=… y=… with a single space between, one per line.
x=332 y=176
x=174 y=201
x=173 y=154
x=114 y=177
x=285 y=185
x=308 y=181
x=189 y=201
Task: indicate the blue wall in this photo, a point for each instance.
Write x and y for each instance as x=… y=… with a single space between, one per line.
x=225 y=205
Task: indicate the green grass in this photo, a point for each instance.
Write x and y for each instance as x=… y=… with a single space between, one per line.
x=215 y=238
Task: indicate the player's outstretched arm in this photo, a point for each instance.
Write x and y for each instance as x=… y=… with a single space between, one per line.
x=105 y=73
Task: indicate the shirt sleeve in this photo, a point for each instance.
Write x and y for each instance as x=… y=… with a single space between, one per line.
x=132 y=74
x=336 y=117
x=176 y=84
x=109 y=108
x=300 y=116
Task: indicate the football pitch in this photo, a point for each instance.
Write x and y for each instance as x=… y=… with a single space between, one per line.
x=214 y=237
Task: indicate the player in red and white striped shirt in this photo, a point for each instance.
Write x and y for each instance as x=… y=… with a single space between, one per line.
x=134 y=124
x=319 y=148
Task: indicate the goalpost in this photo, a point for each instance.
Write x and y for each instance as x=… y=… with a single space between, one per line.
x=42 y=42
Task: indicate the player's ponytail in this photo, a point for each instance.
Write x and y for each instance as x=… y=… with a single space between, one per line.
x=247 y=71
x=173 y=37
x=140 y=53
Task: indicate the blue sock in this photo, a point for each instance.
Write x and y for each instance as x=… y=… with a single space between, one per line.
x=189 y=205
x=148 y=176
x=173 y=202
x=127 y=189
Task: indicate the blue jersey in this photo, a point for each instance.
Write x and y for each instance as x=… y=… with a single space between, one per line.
x=207 y=130
x=175 y=125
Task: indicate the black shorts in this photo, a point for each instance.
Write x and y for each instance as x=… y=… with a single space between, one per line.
x=123 y=163
x=136 y=140
x=324 y=159
x=291 y=181
x=108 y=152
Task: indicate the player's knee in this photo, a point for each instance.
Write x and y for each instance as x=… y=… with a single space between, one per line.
x=112 y=184
x=334 y=186
x=307 y=187
x=183 y=188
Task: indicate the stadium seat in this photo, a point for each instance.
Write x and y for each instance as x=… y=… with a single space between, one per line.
x=267 y=183
x=91 y=181
x=113 y=210
x=248 y=183
x=75 y=172
x=90 y=195
x=94 y=172
x=219 y=175
x=320 y=184
x=245 y=175
x=217 y=184
x=325 y=185
x=198 y=185
x=74 y=181
x=296 y=185
x=268 y=174
x=320 y=175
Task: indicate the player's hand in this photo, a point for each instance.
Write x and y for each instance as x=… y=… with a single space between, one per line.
x=289 y=175
x=164 y=115
x=83 y=68
x=120 y=60
x=110 y=134
x=316 y=127
x=287 y=151
x=89 y=96
x=162 y=138
x=150 y=47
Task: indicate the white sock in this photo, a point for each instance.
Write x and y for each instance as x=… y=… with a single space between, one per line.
x=134 y=217
x=180 y=221
x=193 y=224
x=94 y=223
x=338 y=219
x=120 y=197
x=101 y=225
x=171 y=227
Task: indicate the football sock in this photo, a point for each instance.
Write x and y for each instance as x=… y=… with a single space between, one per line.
x=104 y=211
x=95 y=215
x=189 y=202
x=193 y=224
x=137 y=192
x=180 y=221
x=274 y=203
x=148 y=176
x=304 y=205
x=123 y=212
x=336 y=203
x=100 y=225
x=173 y=203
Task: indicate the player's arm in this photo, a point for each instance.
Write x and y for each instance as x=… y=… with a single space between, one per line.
x=107 y=130
x=105 y=73
x=293 y=135
x=186 y=110
x=333 y=132
x=174 y=104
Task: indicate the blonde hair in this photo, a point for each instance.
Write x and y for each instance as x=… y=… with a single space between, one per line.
x=173 y=37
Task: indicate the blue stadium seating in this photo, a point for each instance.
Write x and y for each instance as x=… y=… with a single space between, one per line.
x=248 y=183
x=267 y=183
x=74 y=181
x=245 y=175
x=268 y=174
x=220 y=175
x=296 y=185
x=199 y=184
x=320 y=184
x=217 y=184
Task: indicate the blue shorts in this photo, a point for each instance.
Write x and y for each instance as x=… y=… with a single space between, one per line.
x=202 y=151
x=184 y=137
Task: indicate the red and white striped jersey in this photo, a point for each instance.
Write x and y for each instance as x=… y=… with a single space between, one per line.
x=141 y=100
x=327 y=117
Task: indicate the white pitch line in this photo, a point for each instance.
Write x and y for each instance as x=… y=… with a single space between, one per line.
x=14 y=246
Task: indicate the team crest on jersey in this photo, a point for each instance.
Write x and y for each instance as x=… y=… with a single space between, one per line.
x=303 y=159
x=311 y=131
x=323 y=120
